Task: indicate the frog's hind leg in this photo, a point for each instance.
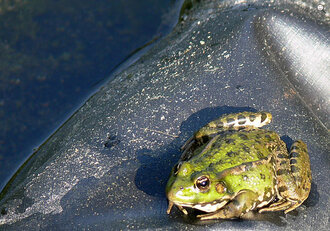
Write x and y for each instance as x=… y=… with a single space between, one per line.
x=235 y=121
x=294 y=178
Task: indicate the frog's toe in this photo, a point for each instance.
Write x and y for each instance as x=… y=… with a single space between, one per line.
x=224 y=213
x=278 y=206
x=293 y=206
x=185 y=212
x=210 y=216
x=187 y=144
x=286 y=205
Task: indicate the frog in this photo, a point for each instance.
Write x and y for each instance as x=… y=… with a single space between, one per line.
x=232 y=166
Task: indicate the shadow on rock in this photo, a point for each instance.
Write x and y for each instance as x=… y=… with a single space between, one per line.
x=156 y=165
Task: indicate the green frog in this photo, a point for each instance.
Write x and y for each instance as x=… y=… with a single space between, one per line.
x=231 y=166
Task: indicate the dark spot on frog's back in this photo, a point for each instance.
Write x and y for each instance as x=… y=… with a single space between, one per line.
x=274 y=181
x=295 y=147
x=216 y=145
x=246 y=149
x=297 y=178
x=260 y=155
x=263 y=117
x=231 y=154
x=241 y=119
x=294 y=169
x=219 y=125
x=230 y=121
x=230 y=141
x=262 y=176
x=294 y=154
x=268 y=137
x=282 y=189
x=248 y=166
x=283 y=162
x=278 y=148
x=282 y=171
x=243 y=136
x=252 y=118
x=282 y=156
x=293 y=161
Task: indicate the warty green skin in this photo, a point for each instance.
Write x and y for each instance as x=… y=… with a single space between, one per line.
x=242 y=166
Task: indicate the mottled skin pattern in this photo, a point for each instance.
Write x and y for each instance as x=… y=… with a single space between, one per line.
x=230 y=167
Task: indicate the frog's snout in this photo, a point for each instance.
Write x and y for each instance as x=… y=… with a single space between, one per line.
x=173 y=192
x=177 y=192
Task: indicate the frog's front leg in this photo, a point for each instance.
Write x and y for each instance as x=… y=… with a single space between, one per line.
x=241 y=204
x=235 y=121
x=294 y=178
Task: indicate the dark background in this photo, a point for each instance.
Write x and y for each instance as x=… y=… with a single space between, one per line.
x=55 y=54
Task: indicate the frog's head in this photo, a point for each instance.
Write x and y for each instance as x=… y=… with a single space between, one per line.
x=191 y=187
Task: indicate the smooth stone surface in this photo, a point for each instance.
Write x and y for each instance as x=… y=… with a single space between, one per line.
x=107 y=166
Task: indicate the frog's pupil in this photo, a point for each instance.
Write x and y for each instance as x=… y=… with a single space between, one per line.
x=203 y=182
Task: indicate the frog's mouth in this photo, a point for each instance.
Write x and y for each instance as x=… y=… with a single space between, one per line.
x=205 y=207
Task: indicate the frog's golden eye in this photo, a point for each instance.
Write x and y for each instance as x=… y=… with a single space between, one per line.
x=203 y=183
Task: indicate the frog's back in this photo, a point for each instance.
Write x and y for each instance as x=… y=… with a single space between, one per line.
x=234 y=148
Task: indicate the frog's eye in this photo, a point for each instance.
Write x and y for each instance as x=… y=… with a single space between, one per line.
x=177 y=168
x=203 y=183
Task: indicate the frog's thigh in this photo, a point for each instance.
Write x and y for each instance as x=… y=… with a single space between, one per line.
x=242 y=203
x=294 y=178
x=300 y=168
x=301 y=172
x=247 y=120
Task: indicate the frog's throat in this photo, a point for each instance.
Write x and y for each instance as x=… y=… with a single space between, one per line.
x=205 y=207
x=210 y=207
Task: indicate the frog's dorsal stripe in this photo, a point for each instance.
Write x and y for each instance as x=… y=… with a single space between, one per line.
x=239 y=169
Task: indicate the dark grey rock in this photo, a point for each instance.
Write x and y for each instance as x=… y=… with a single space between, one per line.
x=107 y=166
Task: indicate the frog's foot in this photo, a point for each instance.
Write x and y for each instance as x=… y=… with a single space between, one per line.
x=285 y=205
x=170 y=206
